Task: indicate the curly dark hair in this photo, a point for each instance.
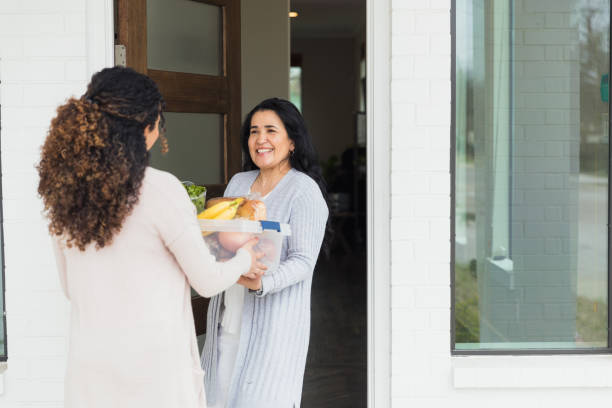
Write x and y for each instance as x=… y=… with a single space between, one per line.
x=94 y=157
x=304 y=157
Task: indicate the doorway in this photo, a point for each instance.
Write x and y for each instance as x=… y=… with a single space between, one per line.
x=208 y=96
x=327 y=82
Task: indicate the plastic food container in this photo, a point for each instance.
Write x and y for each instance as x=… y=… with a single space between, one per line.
x=270 y=234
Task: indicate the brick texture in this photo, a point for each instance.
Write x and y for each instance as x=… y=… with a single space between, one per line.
x=42 y=62
x=420 y=201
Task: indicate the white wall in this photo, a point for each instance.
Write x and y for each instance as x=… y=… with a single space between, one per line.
x=265 y=51
x=43 y=61
x=328 y=92
x=423 y=372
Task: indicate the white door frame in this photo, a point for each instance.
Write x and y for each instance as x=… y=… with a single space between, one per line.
x=378 y=89
x=100 y=35
x=100 y=54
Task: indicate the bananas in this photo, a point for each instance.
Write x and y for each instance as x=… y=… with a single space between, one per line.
x=228 y=213
x=225 y=210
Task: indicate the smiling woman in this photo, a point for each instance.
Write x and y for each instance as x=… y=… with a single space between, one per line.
x=267 y=369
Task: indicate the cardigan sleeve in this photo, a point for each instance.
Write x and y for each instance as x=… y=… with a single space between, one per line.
x=180 y=231
x=307 y=220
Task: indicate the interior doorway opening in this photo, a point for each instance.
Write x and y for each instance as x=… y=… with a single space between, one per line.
x=327 y=83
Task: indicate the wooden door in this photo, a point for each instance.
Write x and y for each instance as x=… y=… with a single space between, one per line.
x=191 y=48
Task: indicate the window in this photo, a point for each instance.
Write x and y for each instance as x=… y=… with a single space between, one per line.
x=295 y=81
x=531 y=161
x=3 y=347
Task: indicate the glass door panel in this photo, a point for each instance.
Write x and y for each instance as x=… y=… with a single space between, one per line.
x=184 y=36
x=196 y=147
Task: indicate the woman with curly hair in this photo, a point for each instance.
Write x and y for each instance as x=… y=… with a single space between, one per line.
x=128 y=248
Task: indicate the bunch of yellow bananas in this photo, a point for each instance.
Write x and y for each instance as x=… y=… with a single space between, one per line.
x=225 y=210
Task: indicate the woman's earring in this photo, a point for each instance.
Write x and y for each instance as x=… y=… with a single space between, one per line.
x=292 y=152
x=164 y=144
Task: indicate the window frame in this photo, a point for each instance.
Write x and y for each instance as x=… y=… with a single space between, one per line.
x=3 y=353
x=504 y=352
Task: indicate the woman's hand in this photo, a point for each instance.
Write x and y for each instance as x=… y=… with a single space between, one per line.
x=253 y=284
x=257 y=268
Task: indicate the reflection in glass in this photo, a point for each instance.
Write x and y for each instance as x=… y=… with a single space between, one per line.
x=184 y=36
x=531 y=174
x=196 y=147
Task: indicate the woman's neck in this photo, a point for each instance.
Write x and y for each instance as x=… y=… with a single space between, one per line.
x=269 y=178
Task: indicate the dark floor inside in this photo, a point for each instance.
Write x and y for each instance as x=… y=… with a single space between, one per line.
x=336 y=369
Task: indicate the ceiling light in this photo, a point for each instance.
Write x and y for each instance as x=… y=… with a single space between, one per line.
x=293 y=14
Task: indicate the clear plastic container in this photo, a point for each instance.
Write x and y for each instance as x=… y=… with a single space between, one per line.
x=270 y=234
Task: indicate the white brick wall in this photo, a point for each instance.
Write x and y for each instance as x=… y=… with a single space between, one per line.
x=420 y=201
x=42 y=62
x=423 y=372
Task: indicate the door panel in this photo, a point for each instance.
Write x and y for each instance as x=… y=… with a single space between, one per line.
x=185 y=36
x=191 y=49
x=199 y=156
x=191 y=92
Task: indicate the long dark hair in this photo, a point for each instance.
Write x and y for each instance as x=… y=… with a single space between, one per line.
x=304 y=157
x=94 y=158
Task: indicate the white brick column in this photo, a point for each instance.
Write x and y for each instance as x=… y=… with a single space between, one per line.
x=43 y=60
x=420 y=201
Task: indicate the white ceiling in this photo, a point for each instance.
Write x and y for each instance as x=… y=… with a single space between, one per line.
x=327 y=18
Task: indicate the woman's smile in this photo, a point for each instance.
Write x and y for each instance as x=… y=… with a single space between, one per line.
x=264 y=157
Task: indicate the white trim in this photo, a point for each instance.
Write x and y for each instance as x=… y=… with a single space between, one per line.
x=3 y=367
x=100 y=35
x=576 y=371
x=378 y=60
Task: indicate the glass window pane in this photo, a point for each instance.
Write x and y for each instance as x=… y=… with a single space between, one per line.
x=184 y=36
x=196 y=147
x=531 y=174
x=295 y=86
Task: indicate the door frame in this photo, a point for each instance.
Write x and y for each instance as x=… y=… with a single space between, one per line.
x=100 y=54
x=378 y=116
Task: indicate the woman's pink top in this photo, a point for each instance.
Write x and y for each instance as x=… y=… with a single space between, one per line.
x=132 y=334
